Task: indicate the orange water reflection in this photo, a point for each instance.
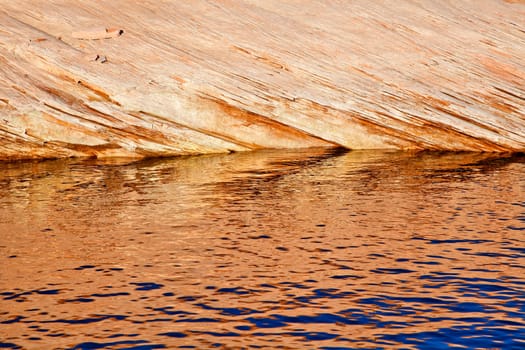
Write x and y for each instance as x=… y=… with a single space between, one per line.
x=299 y=249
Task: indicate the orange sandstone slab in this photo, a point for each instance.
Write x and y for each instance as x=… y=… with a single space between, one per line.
x=172 y=78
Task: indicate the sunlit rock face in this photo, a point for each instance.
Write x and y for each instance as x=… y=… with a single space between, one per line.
x=186 y=77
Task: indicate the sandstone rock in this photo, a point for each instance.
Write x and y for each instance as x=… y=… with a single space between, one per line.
x=192 y=77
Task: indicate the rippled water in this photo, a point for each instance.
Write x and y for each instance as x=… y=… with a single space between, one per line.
x=311 y=249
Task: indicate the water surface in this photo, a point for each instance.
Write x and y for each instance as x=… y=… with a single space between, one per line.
x=315 y=249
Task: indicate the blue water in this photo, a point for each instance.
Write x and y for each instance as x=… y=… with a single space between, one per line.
x=314 y=249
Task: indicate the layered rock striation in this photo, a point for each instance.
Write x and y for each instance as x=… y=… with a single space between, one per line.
x=158 y=78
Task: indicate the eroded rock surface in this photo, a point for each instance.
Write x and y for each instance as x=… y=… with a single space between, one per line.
x=152 y=78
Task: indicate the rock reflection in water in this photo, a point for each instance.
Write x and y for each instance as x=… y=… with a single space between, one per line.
x=305 y=249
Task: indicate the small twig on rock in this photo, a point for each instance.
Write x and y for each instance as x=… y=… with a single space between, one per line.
x=97 y=33
x=96 y=58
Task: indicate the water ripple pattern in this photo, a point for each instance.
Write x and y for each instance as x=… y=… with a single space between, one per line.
x=313 y=249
